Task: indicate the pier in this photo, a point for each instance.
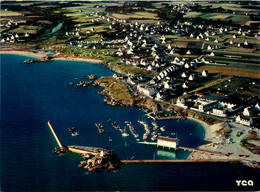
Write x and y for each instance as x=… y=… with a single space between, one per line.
x=78 y=149
x=200 y=150
x=164 y=142
x=86 y=150
x=54 y=134
x=182 y=161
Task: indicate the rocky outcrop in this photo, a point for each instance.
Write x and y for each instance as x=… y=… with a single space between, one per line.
x=115 y=91
x=108 y=162
x=43 y=59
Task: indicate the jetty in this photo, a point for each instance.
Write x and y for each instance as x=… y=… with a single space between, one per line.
x=83 y=150
x=55 y=135
x=182 y=161
x=164 y=142
x=95 y=158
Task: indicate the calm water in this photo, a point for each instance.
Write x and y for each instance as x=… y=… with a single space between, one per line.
x=32 y=94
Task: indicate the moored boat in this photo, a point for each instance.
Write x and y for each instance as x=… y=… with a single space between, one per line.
x=72 y=129
x=74 y=134
x=100 y=127
x=162 y=129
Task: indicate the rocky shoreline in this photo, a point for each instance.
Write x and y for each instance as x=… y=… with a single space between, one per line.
x=43 y=59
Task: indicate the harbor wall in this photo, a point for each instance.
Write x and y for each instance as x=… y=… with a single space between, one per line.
x=182 y=161
x=55 y=135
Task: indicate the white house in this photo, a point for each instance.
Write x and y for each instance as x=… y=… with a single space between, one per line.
x=248 y=112
x=148 y=91
x=187 y=66
x=212 y=54
x=166 y=85
x=244 y=121
x=218 y=112
x=192 y=77
x=205 y=106
x=160 y=96
x=205 y=73
x=181 y=102
x=183 y=75
x=185 y=85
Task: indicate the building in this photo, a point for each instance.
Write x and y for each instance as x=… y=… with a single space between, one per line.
x=148 y=91
x=204 y=106
x=244 y=121
x=248 y=111
x=181 y=103
x=167 y=142
x=218 y=111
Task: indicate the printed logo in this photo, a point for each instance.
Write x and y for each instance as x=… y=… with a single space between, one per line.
x=244 y=183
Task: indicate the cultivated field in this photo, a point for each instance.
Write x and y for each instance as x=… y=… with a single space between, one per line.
x=231 y=71
x=136 y=15
x=26 y=29
x=4 y=13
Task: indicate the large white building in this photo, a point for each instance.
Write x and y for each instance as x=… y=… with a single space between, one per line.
x=148 y=91
x=244 y=121
x=167 y=142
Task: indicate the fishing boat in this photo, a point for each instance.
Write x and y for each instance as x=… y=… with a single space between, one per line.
x=100 y=127
x=72 y=129
x=154 y=137
x=131 y=127
x=162 y=129
x=74 y=134
x=124 y=133
x=155 y=126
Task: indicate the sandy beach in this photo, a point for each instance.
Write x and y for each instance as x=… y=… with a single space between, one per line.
x=90 y=60
x=35 y=54
x=40 y=54
x=220 y=147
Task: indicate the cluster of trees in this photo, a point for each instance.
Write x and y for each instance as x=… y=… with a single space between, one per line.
x=167 y=13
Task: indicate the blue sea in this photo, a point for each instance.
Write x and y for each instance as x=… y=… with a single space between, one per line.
x=32 y=94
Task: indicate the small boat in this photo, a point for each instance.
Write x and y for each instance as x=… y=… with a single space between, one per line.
x=72 y=129
x=162 y=129
x=74 y=134
x=125 y=134
x=154 y=137
x=100 y=127
x=109 y=139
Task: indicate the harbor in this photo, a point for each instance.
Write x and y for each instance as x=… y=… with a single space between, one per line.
x=27 y=142
x=163 y=142
x=95 y=158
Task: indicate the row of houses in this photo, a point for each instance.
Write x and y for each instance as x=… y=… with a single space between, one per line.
x=223 y=106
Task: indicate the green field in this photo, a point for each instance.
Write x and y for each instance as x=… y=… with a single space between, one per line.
x=27 y=29
x=4 y=13
x=136 y=15
x=237 y=18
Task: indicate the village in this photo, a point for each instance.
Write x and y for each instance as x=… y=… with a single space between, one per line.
x=162 y=52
